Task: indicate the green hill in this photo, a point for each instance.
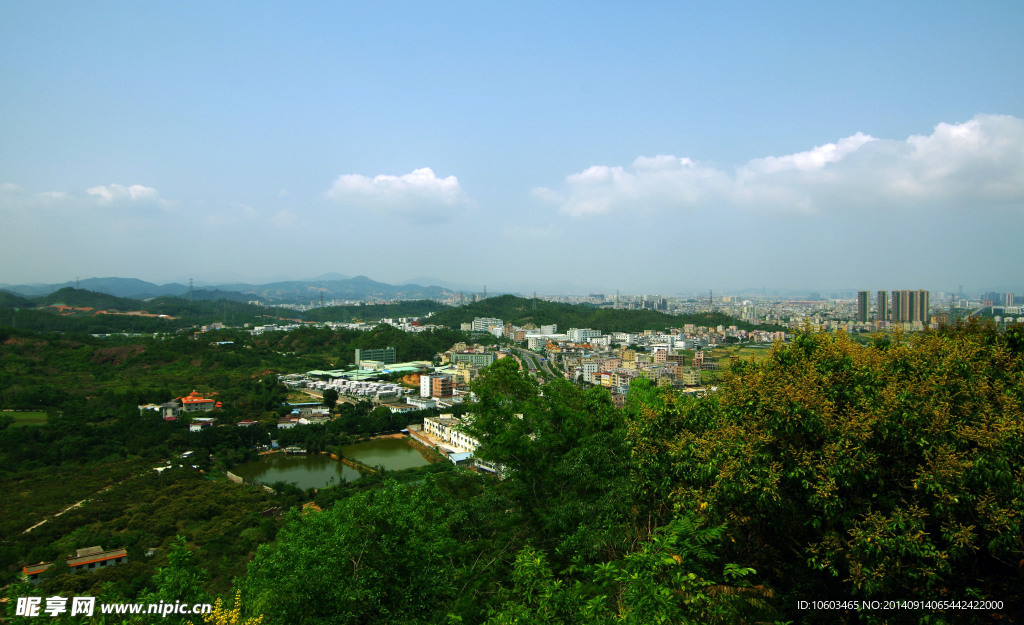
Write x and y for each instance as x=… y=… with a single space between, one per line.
x=12 y=300
x=81 y=298
x=521 y=311
x=374 y=312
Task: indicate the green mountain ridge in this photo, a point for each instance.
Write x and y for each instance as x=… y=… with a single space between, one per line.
x=520 y=311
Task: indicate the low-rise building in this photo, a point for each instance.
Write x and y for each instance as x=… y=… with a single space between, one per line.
x=201 y=423
x=87 y=559
x=194 y=402
x=474 y=358
x=456 y=444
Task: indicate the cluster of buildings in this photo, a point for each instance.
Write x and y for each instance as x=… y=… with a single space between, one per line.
x=615 y=359
x=191 y=405
x=304 y=414
x=366 y=390
x=897 y=307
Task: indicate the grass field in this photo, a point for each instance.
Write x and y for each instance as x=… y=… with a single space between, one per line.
x=722 y=354
x=25 y=419
x=743 y=352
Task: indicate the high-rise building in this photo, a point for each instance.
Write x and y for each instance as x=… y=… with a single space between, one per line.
x=920 y=306
x=882 y=306
x=910 y=306
x=899 y=307
x=863 y=305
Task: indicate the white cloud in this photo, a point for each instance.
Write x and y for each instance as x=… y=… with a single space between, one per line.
x=812 y=159
x=649 y=183
x=974 y=164
x=419 y=195
x=116 y=192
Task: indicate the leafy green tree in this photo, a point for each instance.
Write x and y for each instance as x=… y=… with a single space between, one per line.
x=182 y=580
x=859 y=471
x=668 y=580
x=389 y=555
x=563 y=453
x=330 y=398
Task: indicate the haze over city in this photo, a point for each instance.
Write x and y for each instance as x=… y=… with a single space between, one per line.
x=658 y=148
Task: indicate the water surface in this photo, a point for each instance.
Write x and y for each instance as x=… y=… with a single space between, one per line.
x=393 y=454
x=310 y=471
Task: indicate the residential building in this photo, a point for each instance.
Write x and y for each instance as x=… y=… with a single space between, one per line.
x=582 y=335
x=863 y=306
x=688 y=376
x=425 y=385
x=442 y=386
x=910 y=306
x=882 y=312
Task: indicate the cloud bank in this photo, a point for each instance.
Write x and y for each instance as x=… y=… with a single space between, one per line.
x=14 y=196
x=973 y=164
x=419 y=195
x=120 y=193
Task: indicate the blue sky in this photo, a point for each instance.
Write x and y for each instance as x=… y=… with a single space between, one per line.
x=666 y=148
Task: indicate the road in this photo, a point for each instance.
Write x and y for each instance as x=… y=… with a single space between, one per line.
x=534 y=362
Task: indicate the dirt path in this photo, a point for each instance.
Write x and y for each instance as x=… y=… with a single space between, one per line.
x=77 y=504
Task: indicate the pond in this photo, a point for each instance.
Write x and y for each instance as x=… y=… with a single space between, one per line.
x=311 y=471
x=321 y=471
x=393 y=454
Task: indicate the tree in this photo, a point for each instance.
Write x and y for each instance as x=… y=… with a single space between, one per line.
x=330 y=398
x=388 y=555
x=564 y=456
x=860 y=471
x=181 y=580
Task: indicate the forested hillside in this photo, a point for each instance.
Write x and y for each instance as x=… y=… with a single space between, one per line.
x=828 y=470
x=520 y=311
x=79 y=310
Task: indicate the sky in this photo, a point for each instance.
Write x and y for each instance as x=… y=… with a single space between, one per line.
x=568 y=147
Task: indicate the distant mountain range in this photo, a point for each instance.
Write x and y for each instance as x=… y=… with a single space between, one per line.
x=330 y=286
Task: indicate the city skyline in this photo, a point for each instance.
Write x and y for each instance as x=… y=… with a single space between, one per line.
x=654 y=149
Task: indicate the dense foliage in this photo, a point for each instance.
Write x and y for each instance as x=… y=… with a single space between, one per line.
x=828 y=470
x=374 y=312
x=520 y=311
x=867 y=472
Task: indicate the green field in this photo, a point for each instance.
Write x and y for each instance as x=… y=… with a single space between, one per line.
x=24 y=419
x=722 y=355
